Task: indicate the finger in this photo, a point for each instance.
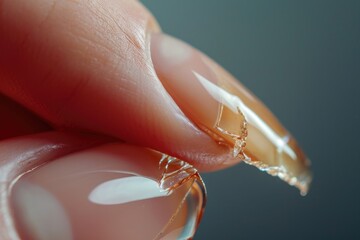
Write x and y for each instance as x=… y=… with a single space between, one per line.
x=87 y=65
x=93 y=76
x=17 y=121
x=103 y=192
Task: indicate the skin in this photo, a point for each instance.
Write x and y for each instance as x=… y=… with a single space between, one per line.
x=77 y=66
x=82 y=64
x=76 y=74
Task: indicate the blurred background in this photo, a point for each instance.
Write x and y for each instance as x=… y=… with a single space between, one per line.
x=302 y=58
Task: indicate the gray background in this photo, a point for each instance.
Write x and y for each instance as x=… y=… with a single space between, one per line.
x=302 y=58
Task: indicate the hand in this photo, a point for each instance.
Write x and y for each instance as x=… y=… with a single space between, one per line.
x=104 y=68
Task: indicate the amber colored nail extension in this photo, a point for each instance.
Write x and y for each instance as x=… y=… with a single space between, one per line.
x=115 y=191
x=227 y=111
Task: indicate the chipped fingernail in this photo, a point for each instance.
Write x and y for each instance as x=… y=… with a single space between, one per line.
x=227 y=111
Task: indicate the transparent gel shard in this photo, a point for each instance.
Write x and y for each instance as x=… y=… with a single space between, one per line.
x=174 y=172
x=255 y=135
x=109 y=197
x=243 y=123
x=284 y=157
x=237 y=132
x=301 y=182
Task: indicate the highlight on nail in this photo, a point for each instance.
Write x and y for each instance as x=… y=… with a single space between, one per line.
x=109 y=192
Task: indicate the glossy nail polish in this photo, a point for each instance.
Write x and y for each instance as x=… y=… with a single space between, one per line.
x=114 y=191
x=227 y=111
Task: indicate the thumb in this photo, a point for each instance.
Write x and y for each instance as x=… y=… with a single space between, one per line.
x=86 y=65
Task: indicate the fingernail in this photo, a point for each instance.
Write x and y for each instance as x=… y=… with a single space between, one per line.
x=227 y=111
x=115 y=191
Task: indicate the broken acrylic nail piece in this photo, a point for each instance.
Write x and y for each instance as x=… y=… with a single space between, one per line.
x=175 y=172
x=109 y=192
x=227 y=111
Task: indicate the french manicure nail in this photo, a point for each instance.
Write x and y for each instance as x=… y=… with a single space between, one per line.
x=114 y=191
x=227 y=111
